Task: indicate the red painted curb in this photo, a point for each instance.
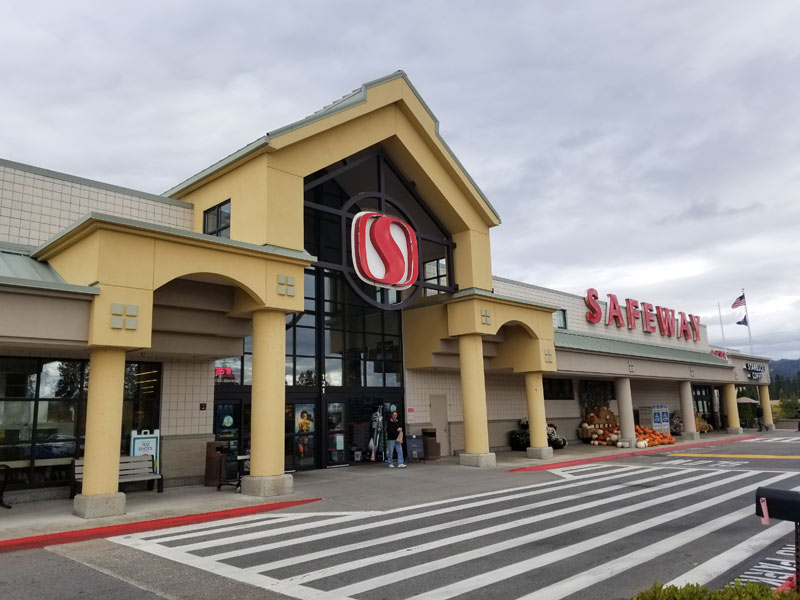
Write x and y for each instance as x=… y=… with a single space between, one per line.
x=594 y=459
x=68 y=537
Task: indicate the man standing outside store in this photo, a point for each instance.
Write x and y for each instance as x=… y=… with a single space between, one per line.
x=394 y=437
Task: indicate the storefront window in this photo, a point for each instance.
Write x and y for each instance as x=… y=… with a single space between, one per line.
x=43 y=414
x=557 y=389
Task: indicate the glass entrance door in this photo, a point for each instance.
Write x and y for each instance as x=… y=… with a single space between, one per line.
x=337 y=442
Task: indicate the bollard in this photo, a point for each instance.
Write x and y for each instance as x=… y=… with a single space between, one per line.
x=784 y=505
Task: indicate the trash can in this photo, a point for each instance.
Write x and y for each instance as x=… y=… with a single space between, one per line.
x=215 y=461
x=430 y=446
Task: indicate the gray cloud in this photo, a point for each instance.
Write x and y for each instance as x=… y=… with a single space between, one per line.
x=650 y=149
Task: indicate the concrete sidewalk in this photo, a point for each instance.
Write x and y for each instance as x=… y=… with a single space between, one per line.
x=360 y=487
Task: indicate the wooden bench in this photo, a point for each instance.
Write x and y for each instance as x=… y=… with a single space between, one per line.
x=131 y=468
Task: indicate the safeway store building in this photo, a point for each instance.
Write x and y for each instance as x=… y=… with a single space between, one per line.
x=332 y=269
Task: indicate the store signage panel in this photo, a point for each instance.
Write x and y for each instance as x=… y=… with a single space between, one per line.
x=653 y=318
x=385 y=251
x=755 y=371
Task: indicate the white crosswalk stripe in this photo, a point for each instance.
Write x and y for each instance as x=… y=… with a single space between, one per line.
x=589 y=527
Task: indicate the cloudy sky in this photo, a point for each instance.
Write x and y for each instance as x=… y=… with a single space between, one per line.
x=654 y=147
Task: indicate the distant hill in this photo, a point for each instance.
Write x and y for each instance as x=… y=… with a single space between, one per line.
x=785 y=367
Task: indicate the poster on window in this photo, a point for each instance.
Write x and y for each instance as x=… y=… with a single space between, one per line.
x=303 y=418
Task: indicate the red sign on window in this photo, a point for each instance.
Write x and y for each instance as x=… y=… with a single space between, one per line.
x=384 y=251
x=223 y=371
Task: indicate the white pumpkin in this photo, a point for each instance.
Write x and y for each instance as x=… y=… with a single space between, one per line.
x=641 y=444
x=619 y=445
x=613 y=437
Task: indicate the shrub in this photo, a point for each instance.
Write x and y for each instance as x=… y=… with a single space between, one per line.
x=733 y=591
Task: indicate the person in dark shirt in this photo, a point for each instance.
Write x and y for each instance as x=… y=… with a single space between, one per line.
x=394 y=438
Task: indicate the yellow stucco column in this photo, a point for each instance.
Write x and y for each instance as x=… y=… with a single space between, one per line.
x=731 y=408
x=267 y=408
x=766 y=406
x=99 y=496
x=627 y=426
x=537 y=421
x=687 y=411
x=473 y=399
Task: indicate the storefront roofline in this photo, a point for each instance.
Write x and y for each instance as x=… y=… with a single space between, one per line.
x=19 y=270
x=605 y=345
x=50 y=286
x=92 y=183
x=94 y=220
x=742 y=355
x=473 y=292
x=354 y=98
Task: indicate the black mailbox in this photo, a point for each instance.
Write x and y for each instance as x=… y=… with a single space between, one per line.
x=783 y=505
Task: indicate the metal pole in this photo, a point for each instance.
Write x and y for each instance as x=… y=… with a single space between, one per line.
x=722 y=329
x=747 y=315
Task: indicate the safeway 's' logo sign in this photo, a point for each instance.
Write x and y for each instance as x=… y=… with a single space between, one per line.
x=384 y=251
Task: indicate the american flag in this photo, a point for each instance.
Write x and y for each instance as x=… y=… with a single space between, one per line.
x=738 y=302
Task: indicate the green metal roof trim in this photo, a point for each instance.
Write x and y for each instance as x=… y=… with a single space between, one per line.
x=18 y=269
x=91 y=183
x=593 y=343
x=354 y=98
x=93 y=216
x=740 y=354
x=492 y=296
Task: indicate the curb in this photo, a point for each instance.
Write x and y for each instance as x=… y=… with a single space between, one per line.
x=594 y=459
x=80 y=535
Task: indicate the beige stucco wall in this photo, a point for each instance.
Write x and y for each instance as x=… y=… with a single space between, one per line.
x=34 y=318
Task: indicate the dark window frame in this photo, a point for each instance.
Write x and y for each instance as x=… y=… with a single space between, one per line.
x=215 y=211
x=338 y=254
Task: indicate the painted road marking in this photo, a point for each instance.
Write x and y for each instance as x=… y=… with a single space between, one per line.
x=432 y=538
x=711 y=569
x=783 y=440
x=583 y=580
x=569 y=552
x=771 y=456
x=400 y=521
x=357 y=564
x=773 y=570
x=714 y=464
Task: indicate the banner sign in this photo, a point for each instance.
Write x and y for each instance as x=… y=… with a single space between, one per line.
x=683 y=326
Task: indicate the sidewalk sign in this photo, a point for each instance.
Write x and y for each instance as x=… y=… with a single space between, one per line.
x=146 y=444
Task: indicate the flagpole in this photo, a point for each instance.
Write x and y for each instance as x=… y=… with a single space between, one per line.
x=722 y=329
x=747 y=316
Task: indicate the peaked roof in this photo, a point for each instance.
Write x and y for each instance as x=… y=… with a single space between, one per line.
x=354 y=98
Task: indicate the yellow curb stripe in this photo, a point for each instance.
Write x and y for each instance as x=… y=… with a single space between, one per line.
x=731 y=455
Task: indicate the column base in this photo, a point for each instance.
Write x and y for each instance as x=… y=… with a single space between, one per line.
x=98 y=505
x=770 y=427
x=263 y=487
x=483 y=461
x=690 y=436
x=540 y=453
x=631 y=443
x=737 y=430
